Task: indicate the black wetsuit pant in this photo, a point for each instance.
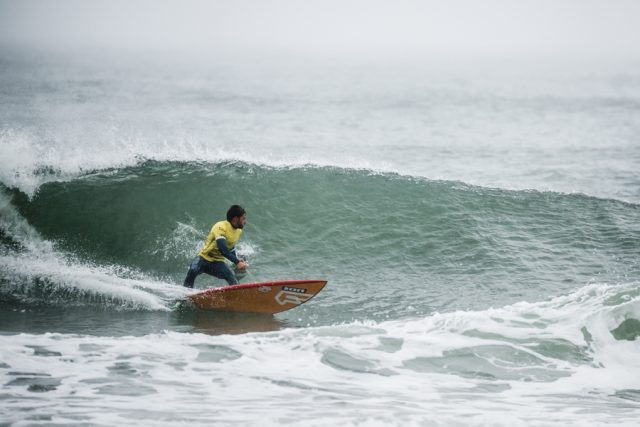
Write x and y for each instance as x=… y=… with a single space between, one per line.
x=217 y=269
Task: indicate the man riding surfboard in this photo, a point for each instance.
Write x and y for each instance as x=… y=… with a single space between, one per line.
x=220 y=245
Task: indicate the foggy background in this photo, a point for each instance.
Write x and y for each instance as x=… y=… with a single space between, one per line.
x=576 y=28
x=530 y=94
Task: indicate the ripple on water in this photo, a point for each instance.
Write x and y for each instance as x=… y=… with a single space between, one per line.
x=339 y=359
x=212 y=353
x=35 y=382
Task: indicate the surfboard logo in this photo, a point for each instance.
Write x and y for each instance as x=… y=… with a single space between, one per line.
x=264 y=289
x=296 y=290
x=292 y=296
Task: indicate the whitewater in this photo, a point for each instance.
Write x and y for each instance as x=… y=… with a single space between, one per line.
x=479 y=229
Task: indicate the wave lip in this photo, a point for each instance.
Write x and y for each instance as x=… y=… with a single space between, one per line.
x=26 y=163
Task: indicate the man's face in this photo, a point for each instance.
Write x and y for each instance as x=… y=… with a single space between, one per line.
x=239 y=221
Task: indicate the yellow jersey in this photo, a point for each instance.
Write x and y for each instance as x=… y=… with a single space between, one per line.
x=220 y=230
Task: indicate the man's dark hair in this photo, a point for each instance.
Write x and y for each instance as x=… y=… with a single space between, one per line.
x=235 y=211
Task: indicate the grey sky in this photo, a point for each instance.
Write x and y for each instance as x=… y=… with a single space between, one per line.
x=591 y=27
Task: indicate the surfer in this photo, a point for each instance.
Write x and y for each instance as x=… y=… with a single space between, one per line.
x=220 y=244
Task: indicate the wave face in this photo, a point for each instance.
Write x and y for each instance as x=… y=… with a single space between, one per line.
x=417 y=245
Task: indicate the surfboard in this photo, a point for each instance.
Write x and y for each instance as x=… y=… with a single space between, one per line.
x=263 y=297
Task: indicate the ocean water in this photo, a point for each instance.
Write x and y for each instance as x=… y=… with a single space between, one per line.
x=478 y=225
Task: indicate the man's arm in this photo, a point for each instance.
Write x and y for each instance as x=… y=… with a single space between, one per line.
x=221 y=242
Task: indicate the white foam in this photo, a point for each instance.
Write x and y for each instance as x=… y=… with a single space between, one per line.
x=15 y=226
x=351 y=374
x=73 y=280
x=248 y=249
x=184 y=241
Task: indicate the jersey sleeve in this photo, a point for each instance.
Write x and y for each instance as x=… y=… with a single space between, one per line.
x=219 y=232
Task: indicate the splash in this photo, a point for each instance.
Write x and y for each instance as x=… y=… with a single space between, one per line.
x=33 y=271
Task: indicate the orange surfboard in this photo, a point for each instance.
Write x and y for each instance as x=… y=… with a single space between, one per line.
x=264 y=297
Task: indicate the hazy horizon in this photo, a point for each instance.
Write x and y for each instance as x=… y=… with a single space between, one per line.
x=589 y=29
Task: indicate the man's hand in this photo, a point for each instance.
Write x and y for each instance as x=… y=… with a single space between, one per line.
x=242 y=265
